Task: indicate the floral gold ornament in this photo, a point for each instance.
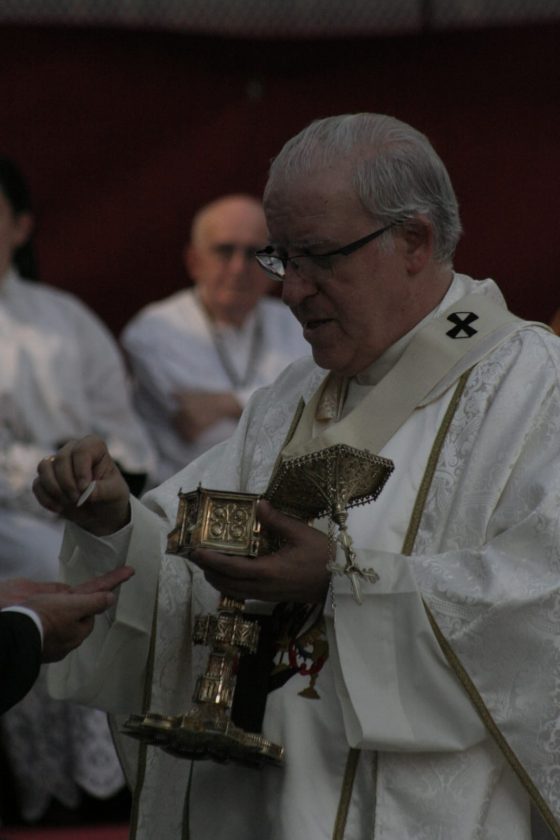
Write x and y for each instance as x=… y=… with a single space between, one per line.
x=324 y=483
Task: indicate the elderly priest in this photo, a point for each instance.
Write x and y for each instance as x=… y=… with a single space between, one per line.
x=411 y=667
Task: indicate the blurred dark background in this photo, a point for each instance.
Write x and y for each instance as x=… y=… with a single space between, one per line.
x=124 y=131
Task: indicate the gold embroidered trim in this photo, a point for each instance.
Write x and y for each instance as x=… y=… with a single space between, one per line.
x=293 y=426
x=346 y=793
x=494 y=730
x=448 y=651
x=354 y=754
x=186 y=832
x=431 y=466
x=332 y=398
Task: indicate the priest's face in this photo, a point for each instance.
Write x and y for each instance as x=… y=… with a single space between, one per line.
x=220 y=258
x=353 y=307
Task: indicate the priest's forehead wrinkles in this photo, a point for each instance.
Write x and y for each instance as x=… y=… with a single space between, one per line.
x=301 y=227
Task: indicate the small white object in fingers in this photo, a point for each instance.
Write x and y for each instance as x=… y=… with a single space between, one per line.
x=86 y=494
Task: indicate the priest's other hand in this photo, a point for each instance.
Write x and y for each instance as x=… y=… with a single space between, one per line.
x=296 y=572
x=63 y=478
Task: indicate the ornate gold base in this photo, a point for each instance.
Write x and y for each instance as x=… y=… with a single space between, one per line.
x=203 y=734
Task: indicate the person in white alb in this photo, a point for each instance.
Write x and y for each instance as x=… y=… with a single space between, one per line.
x=418 y=697
x=61 y=376
x=198 y=355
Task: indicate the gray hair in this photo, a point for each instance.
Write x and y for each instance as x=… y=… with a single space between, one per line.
x=395 y=171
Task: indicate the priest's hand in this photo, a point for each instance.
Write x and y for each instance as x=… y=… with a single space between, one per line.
x=297 y=572
x=62 y=480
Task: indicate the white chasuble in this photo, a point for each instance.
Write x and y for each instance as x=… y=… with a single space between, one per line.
x=485 y=561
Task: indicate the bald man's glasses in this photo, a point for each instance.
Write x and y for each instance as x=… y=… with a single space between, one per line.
x=309 y=265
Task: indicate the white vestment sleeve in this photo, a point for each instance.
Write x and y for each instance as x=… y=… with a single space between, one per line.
x=107 y=670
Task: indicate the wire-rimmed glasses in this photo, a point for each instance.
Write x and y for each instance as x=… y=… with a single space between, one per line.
x=310 y=264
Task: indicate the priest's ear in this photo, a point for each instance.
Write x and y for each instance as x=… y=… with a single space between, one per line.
x=418 y=237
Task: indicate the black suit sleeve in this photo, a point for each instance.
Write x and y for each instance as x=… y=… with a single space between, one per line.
x=20 y=657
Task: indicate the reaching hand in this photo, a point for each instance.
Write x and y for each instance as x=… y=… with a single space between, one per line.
x=297 y=572
x=19 y=590
x=67 y=615
x=63 y=477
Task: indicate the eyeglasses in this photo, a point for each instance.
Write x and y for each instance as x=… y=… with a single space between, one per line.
x=225 y=250
x=276 y=266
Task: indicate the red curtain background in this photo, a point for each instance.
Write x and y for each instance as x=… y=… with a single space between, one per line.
x=123 y=134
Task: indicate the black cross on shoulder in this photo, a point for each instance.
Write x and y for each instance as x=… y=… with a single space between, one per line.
x=462 y=321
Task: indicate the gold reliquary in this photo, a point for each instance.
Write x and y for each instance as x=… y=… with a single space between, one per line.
x=220 y=521
x=324 y=483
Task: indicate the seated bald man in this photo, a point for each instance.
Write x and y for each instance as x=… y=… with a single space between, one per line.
x=198 y=355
